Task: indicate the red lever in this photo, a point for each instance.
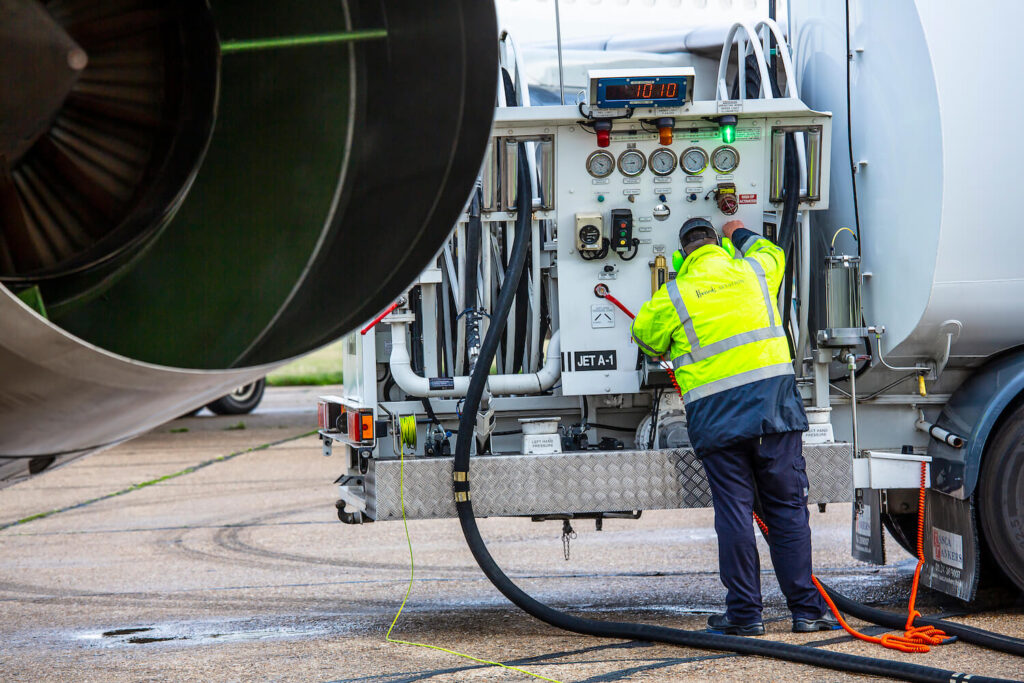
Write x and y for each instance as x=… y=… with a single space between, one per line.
x=618 y=304
x=387 y=311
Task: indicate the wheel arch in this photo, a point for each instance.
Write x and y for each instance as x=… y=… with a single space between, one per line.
x=975 y=410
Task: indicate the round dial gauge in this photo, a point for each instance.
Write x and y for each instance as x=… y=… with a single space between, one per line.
x=632 y=162
x=663 y=161
x=600 y=164
x=694 y=160
x=725 y=159
x=590 y=234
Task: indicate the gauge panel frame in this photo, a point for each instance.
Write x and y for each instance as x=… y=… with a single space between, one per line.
x=650 y=161
x=599 y=153
x=703 y=153
x=643 y=161
x=721 y=148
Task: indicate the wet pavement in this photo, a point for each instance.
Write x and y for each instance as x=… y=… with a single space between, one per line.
x=239 y=570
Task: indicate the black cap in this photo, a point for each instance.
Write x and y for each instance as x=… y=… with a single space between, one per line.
x=696 y=229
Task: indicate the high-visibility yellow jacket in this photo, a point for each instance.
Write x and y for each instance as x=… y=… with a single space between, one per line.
x=719 y=325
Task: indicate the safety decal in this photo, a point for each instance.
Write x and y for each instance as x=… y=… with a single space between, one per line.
x=748 y=199
x=442 y=383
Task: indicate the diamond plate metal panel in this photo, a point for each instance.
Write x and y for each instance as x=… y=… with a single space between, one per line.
x=589 y=481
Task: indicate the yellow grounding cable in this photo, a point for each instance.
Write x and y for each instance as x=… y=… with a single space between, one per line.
x=407 y=436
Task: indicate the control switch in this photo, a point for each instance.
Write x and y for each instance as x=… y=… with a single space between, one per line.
x=589 y=232
x=622 y=230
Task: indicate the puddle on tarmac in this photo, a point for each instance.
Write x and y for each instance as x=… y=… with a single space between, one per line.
x=124 y=632
x=210 y=632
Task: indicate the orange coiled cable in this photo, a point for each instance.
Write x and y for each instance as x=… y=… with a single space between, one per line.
x=914 y=638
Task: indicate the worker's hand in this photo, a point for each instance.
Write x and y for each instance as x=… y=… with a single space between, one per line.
x=732 y=226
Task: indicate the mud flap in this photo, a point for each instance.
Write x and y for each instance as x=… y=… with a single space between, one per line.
x=951 y=547
x=868 y=540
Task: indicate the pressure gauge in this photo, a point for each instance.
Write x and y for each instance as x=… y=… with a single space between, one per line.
x=663 y=161
x=632 y=163
x=694 y=160
x=725 y=159
x=589 y=235
x=600 y=164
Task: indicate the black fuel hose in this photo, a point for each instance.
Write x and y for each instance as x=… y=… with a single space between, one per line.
x=977 y=636
x=608 y=629
x=787 y=232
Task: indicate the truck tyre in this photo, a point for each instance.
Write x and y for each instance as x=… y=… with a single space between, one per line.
x=240 y=401
x=1000 y=497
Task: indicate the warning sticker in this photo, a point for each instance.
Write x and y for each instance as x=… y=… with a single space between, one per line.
x=730 y=106
x=748 y=199
x=441 y=383
x=602 y=315
x=948 y=548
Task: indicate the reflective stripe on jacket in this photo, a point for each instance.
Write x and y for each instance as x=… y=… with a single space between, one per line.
x=720 y=326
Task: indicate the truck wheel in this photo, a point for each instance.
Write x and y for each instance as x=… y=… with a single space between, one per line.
x=903 y=529
x=240 y=401
x=1001 y=497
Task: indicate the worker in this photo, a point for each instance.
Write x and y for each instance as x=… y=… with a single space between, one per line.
x=719 y=322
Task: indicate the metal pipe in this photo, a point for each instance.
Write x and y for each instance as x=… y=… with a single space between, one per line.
x=939 y=434
x=535 y=321
x=510 y=325
x=723 y=63
x=561 y=69
x=881 y=358
x=486 y=258
x=415 y=385
x=463 y=298
x=851 y=364
x=804 y=295
x=531 y=383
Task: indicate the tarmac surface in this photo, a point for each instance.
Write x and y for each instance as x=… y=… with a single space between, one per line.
x=239 y=570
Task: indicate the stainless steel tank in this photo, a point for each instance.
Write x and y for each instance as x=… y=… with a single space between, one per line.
x=936 y=161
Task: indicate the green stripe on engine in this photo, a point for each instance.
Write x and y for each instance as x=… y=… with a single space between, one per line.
x=301 y=41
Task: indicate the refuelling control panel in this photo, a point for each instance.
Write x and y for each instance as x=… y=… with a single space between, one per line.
x=626 y=174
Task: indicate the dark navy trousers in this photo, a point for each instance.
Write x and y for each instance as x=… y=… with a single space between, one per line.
x=775 y=465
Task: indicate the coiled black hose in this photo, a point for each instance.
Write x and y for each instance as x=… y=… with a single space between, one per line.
x=977 y=636
x=608 y=629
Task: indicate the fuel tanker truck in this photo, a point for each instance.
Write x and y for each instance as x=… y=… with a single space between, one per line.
x=192 y=192
x=869 y=140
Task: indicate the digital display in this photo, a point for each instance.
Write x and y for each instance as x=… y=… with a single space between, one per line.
x=654 y=90
x=642 y=91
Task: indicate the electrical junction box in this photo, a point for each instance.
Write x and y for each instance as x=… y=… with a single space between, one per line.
x=622 y=230
x=638 y=180
x=589 y=232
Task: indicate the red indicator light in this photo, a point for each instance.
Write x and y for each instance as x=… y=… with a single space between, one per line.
x=604 y=138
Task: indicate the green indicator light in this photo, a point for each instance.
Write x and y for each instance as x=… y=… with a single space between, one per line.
x=728 y=134
x=600 y=198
